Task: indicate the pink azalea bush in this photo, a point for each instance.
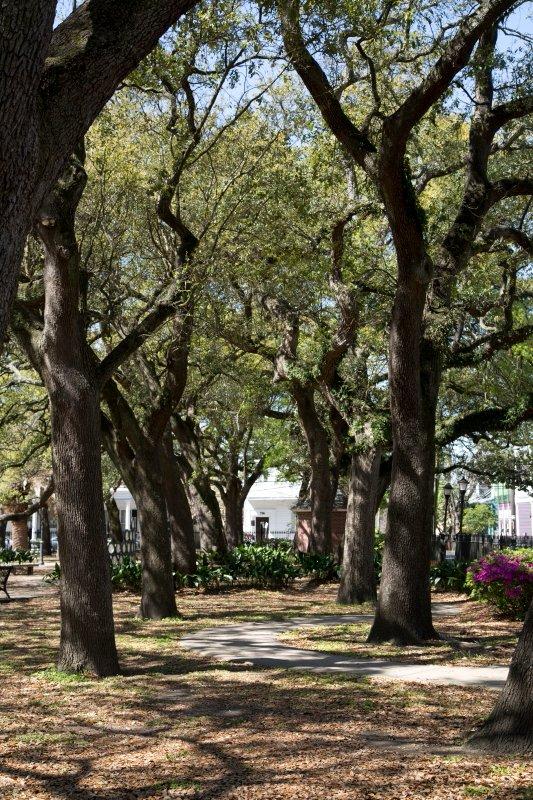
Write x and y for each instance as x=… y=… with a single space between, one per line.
x=504 y=580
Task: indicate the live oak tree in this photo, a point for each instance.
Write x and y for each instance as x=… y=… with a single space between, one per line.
x=188 y=128
x=401 y=85
x=53 y=84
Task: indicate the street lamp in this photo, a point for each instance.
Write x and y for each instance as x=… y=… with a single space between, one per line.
x=464 y=540
x=447 y=495
x=463 y=486
x=444 y=534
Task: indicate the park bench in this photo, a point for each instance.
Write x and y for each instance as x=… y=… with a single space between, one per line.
x=5 y=572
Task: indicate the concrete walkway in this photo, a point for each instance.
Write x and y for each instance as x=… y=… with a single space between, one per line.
x=257 y=644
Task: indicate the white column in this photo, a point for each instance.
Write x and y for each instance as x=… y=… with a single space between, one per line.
x=128 y=516
x=34 y=525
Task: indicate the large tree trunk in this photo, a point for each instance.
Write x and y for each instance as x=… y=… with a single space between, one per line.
x=320 y=484
x=233 y=507
x=203 y=501
x=158 y=598
x=47 y=108
x=509 y=729
x=207 y=519
x=358 y=575
x=141 y=464
x=179 y=513
x=3 y=532
x=113 y=520
x=19 y=534
x=404 y=607
x=25 y=32
x=87 y=639
x=46 y=537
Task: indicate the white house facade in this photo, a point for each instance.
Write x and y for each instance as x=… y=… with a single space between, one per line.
x=269 y=506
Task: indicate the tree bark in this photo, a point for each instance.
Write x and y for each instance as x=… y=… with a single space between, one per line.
x=321 y=480
x=179 y=513
x=87 y=641
x=113 y=520
x=509 y=728
x=53 y=84
x=141 y=466
x=19 y=534
x=25 y=33
x=46 y=537
x=207 y=519
x=205 y=509
x=358 y=576
x=3 y=531
x=233 y=507
x=403 y=613
x=158 y=598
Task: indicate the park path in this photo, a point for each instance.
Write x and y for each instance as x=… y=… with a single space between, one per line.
x=257 y=644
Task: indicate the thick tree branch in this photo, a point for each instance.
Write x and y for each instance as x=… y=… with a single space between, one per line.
x=315 y=80
x=455 y=56
x=486 y=420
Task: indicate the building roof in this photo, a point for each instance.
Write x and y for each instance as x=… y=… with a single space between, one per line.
x=262 y=491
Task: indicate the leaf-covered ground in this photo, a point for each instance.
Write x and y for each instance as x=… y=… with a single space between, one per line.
x=177 y=726
x=475 y=637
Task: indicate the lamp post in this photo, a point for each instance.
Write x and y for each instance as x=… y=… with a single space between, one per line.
x=444 y=535
x=464 y=539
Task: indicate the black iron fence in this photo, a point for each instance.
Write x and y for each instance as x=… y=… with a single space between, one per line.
x=470 y=547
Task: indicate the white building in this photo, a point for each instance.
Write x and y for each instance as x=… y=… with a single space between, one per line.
x=126 y=508
x=269 y=505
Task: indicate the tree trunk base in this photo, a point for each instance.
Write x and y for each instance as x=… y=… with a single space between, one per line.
x=495 y=740
x=81 y=659
x=153 y=609
x=399 y=633
x=352 y=597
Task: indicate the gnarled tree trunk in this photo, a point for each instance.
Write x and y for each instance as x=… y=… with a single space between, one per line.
x=233 y=508
x=404 y=607
x=358 y=576
x=87 y=634
x=141 y=466
x=25 y=33
x=509 y=729
x=113 y=520
x=321 y=492
x=179 y=513
x=158 y=599
x=203 y=502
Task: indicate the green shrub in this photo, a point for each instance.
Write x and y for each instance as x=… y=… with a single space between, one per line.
x=263 y=566
x=126 y=575
x=211 y=575
x=320 y=566
x=9 y=556
x=448 y=576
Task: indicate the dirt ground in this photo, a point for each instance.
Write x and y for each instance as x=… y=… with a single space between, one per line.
x=178 y=726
